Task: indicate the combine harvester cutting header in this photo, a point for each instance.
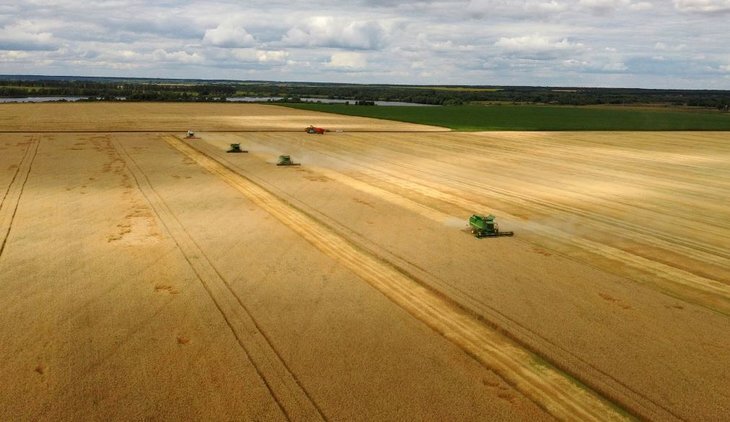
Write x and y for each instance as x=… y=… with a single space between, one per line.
x=285 y=160
x=484 y=226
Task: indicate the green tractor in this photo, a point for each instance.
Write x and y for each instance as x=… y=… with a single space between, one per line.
x=484 y=226
x=236 y=148
x=285 y=160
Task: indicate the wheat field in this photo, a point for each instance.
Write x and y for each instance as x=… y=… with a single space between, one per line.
x=145 y=275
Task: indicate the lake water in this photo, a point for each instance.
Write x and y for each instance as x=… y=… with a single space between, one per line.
x=40 y=99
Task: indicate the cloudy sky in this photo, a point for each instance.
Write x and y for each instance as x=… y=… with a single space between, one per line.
x=613 y=43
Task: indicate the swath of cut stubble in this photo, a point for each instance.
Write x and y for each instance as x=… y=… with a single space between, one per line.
x=543 y=384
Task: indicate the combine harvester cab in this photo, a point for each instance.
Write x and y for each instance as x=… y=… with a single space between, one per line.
x=484 y=226
x=285 y=160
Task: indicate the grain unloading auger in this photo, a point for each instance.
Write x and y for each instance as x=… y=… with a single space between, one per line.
x=484 y=226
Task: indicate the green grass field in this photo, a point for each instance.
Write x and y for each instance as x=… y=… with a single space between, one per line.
x=526 y=117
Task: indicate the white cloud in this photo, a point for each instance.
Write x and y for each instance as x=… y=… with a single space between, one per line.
x=614 y=67
x=445 y=46
x=600 y=65
x=326 y=31
x=603 y=4
x=347 y=60
x=9 y=56
x=25 y=35
x=178 y=56
x=602 y=7
x=536 y=44
x=514 y=8
x=408 y=41
x=643 y=5
x=702 y=6
x=229 y=34
x=272 y=56
x=240 y=55
x=545 y=6
x=660 y=46
x=573 y=63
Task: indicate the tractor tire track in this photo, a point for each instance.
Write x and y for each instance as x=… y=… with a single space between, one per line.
x=644 y=406
x=545 y=385
x=699 y=250
x=450 y=153
x=676 y=276
x=704 y=251
x=502 y=154
x=285 y=388
x=666 y=272
x=11 y=198
x=502 y=148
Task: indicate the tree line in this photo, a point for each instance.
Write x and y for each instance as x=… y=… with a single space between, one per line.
x=196 y=90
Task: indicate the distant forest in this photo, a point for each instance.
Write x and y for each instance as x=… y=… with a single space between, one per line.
x=123 y=89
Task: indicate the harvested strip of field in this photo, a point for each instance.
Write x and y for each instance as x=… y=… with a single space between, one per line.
x=180 y=117
x=283 y=385
x=609 y=331
x=102 y=316
x=605 y=279
x=128 y=331
x=553 y=390
x=637 y=234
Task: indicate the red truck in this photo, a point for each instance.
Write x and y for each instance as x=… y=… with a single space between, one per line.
x=315 y=130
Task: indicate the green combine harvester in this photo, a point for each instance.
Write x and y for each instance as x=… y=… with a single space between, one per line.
x=236 y=148
x=285 y=160
x=482 y=226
